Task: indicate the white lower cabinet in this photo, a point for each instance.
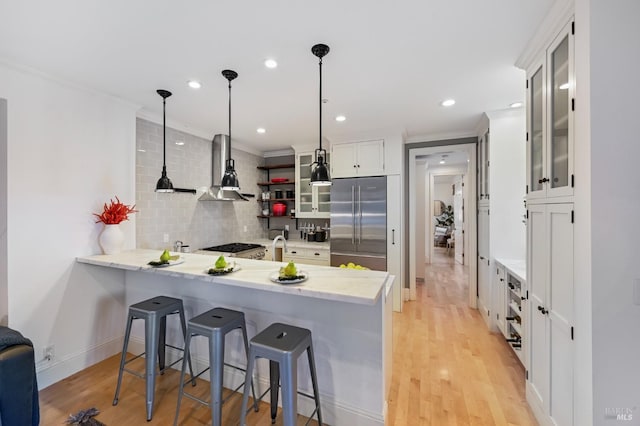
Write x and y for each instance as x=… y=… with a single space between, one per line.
x=500 y=304
x=484 y=272
x=307 y=256
x=551 y=310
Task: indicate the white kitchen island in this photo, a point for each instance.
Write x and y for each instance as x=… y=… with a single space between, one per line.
x=349 y=313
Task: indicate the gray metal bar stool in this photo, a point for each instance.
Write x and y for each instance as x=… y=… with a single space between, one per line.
x=215 y=325
x=154 y=313
x=282 y=345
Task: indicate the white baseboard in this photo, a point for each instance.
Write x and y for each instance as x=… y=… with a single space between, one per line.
x=333 y=412
x=50 y=372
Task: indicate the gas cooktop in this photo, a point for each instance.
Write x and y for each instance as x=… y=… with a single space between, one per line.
x=233 y=247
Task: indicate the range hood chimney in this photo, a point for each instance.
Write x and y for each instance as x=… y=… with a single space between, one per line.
x=219 y=155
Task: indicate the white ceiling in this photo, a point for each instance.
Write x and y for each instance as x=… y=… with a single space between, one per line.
x=390 y=64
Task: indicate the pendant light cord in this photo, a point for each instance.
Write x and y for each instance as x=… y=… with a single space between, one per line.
x=229 y=119
x=164 y=135
x=320 y=105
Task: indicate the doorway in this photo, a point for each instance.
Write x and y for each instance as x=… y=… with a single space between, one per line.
x=425 y=164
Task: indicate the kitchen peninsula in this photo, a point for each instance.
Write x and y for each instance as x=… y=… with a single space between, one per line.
x=348 y=312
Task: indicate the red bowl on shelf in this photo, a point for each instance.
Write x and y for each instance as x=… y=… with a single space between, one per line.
x=279 y=180
x=279 y=209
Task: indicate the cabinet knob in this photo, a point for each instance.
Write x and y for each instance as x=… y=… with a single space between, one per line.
x=358 y=165
x=354 y=166
x=316 y=254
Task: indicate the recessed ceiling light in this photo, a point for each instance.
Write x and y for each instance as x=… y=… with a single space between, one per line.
x=341 y=118
x=448 y=102
x=270 y=63
x=564 y=86
x=442 y=161
x=179 y=143
x=142 y=150
x=261 y=130
x=194 y=84
x=515 y=105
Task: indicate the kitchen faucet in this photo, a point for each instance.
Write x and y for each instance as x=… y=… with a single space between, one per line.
x=273 y=246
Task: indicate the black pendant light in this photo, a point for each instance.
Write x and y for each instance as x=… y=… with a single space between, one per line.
x=319 y=170
x=230 y=179
x=164 y=183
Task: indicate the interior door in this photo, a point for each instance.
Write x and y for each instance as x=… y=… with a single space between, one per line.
x=458 y=220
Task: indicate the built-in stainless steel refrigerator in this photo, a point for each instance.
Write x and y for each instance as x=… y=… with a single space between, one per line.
x=359 y=222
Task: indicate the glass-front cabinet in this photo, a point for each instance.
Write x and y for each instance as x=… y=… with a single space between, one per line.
x=311 y=201
x=483 y=168
x=550 y=99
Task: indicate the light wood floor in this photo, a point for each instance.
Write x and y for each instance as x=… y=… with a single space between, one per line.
x=448 y=370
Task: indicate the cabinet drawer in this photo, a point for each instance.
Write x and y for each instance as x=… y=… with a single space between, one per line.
x=307 y=256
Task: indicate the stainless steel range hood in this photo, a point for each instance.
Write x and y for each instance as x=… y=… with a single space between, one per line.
x=219 y=154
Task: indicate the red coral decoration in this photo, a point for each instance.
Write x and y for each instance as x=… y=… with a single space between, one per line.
x=115 y=213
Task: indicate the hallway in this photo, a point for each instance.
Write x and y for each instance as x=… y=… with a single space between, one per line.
x=448 y=369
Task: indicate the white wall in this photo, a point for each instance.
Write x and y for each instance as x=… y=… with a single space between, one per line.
x=507 y=181
x=422 y=212
x=442 y=192
x=69 y=151
x=4 y=286
x=613 y=59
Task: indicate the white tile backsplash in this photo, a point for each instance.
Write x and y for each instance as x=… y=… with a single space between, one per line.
x=181 y=215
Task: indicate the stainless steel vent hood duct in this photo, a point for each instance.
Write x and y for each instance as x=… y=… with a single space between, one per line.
x=219 y=154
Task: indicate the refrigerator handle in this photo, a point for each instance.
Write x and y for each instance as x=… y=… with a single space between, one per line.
x=359 y=217
x=353 y=214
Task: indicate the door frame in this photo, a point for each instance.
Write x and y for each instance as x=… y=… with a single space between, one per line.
x=413 y=150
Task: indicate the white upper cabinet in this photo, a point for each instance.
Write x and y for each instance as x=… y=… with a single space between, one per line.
x=357 y=159
x=483 y=169
x=311 y=201
x=550 y=98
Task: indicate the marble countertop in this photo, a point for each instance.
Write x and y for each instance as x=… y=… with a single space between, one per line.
x=516 y=266
x=324 y=282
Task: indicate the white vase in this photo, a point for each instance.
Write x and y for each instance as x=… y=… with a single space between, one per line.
x=111 y=239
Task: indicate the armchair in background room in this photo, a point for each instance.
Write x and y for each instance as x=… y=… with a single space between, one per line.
x=18 y=387
x=440 y=235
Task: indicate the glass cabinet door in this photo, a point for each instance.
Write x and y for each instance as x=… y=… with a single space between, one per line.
x=312 y=201
x=559 y=114
x=323 y=196
x=536 y=154
x=305 y=195
x=486 y=165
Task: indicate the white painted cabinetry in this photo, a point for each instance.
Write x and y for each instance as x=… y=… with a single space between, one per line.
x=357 y=159
x=550 y=235
x=311 y=201
x=500 y=286
x=550 y=133
x=484 y=261
x=550 y=275
x=307 y=256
